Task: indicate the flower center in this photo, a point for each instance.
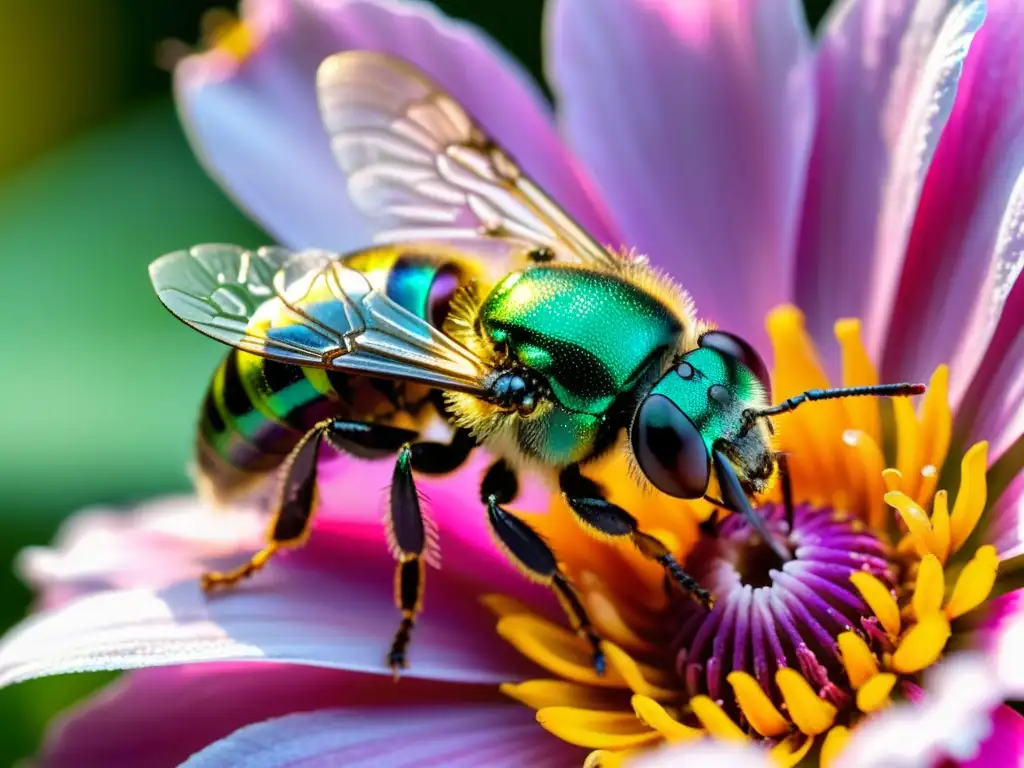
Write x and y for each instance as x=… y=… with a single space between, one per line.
x=768 y=614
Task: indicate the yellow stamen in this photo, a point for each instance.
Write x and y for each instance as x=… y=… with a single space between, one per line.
x=596 y=729
x=868 y=456
x=790 y=752
x=602 y=758
x=858 y=659
x=915 y=518
x=908 y=443
x=936 y=428
x=604 y=613
x=874 y=694
x=832 y=746
x=654 y=715
x=930 y=587
x=714 y=719
x=970 y=498
x=940 y=525
x=929 y=480
x=809 y=713
x=538 y=694
x=224 y=31
x=892 y=478
x=922 y=645
x=557 y=650
x=879 y=599
x=975 y=582
x=858 y=370
x=502 y=606
x=756 y=706
x=641 y=679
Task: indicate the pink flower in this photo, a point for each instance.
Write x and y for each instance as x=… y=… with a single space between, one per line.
x=875 y=174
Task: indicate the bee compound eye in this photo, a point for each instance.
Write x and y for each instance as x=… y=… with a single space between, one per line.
x=733 y=346
x=670 y=449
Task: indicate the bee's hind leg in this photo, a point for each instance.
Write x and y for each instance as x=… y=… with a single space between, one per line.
x=532 y=554
x=296 y=497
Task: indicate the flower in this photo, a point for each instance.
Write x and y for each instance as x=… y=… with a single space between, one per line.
x=873 y=175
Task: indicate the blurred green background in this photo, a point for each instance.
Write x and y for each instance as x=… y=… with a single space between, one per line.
x=100 y=386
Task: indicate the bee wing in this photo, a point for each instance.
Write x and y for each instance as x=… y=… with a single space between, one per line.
x=422 y=169
x=308 y=309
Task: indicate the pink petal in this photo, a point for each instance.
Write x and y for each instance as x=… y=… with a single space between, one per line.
x=329 y=604
x=968 y=226
x=1006 y=744
x=695 y=119
x=1006 y=520
x=952 y=720
x=498 y=735
x=158 y=717
x=255 y=124
x=1004 y=638
x=887 y=77
x=993 y=406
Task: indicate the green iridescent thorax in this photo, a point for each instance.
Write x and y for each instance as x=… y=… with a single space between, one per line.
x=591 y=335
x=713 y=390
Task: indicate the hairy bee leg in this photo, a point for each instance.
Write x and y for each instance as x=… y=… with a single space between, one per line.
x=532 y=554
x=735 y=499
x=408 y=531
x=297 y=495
x=290 y=527
x=786 y=482
x=593 y=511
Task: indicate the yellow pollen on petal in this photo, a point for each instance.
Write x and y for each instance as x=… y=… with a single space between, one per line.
x=641 y=679
x=930 y=587
x=915 y=518
x=879 y=599
x=940 y=525
x=791 y=751
x=858 y=370
x=654 y=715
x=922 y=645
x=596 y=729
x=874 y=694
x=971 y=496
x=556 y=650
x=538 y=694
x=714 y=719
x=857 y=658
x=908 y=443
x=756 y=706
x=809 y=713
x=832 y=746
x=974 y=583
x=224 y=31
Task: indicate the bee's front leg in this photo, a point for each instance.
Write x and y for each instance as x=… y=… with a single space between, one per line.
x=595 y=513
x=531 y=554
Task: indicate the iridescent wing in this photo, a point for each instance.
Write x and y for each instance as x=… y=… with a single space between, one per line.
x=422 y=169
x=308 y=309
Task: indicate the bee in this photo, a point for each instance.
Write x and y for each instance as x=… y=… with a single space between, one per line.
x=486 y=304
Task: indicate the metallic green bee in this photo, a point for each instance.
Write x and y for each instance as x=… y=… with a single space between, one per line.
x=544 y=364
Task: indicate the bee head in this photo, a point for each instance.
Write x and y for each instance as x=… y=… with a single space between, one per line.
x=699 y=406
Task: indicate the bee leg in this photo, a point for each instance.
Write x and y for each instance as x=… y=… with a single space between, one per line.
x=599 y=515
x=297 y=495
x=532 y=555
x=408 y=532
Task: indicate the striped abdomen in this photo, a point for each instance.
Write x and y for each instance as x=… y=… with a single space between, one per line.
x=256 y=410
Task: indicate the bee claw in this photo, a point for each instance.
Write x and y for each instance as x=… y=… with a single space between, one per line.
x=396 y=660
x=600 y=664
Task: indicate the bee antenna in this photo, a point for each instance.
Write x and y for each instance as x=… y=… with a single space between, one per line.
x=878 y=390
